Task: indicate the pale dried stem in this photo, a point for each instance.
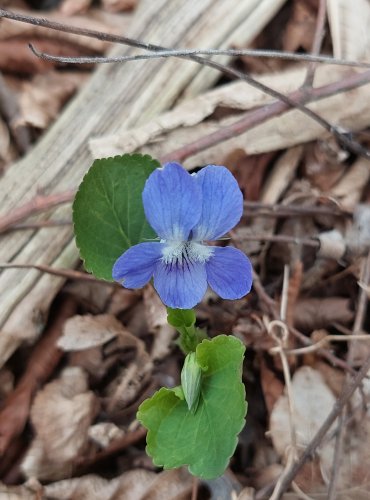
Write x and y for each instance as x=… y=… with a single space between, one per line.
x=357 y=327
x=281 y=341
x=322 y=343
x=317 y=42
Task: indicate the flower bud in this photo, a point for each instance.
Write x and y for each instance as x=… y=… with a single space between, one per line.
x=191 y=375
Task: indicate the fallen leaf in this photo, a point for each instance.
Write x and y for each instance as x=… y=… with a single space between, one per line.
x=132 y=485
x=300 y=30
x=84 y=332
x=272 y=387
x=324 y=164
x=156 y=316
x=353 y=474
x=249 y=171
x=104 y=433
x=61 y=416
x=119 y=5
x=349 y=189
x=312 y=401
x=42 y=98
x=72 y=7
x=314 y=314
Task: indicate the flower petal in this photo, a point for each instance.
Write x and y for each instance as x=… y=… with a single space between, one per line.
x=229 y=273
x=172 y=202
x=180 y=286
x=135 y=267
x=222 y=203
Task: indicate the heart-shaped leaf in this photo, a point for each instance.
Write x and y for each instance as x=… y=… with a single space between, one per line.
x=204 y=440
x=108 y=213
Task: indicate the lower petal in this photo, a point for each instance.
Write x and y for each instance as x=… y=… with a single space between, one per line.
x=135 y=267
x=229 y=273
x=180 y=286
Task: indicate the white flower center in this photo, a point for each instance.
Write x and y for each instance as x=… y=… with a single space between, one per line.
x=185 y=251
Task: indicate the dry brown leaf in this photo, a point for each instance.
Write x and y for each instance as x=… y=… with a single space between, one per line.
x=249 y=171
x=300 y=29
x=267 y=475
x=119 y=5
x=42 y=98
x=27 y=32
x=282 y=174
x=349 y=189
x=123 y=300
x=84 y=332
x=31 y=490
x=295 y=281
x=130 y=380
x=104 y=433
x=6 y=382
x=156 y=316
x=323 y=164
x=132 y=485
x=94 y=297
x=353 y=474
x=334 y=378
x=72 y=7
x=247 y=494
x=312 y=401
x=272 y=387
x=313 y=314
x=61 y=416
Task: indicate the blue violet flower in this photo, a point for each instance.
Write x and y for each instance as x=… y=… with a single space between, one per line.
x=186 y=211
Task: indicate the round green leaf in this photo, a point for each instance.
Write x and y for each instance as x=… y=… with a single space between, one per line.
x=204 y=440
x=108 y=213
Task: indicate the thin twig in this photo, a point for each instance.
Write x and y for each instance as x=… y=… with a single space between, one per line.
x=318 y=345
x=38 y=204
x=257 y=208
x=317 y=42
x=290 y=56
x=40 y=224
x=277 y=238
x=287 y=101
x=63 y=273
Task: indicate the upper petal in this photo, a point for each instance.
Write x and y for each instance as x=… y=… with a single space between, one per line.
x=180 y=286
x=172 y=202
x=229 y=273
x=222 y=203
x=135 y=267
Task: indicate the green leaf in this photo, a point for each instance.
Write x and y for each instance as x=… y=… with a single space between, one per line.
x=108 y=212
x=204 y=440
